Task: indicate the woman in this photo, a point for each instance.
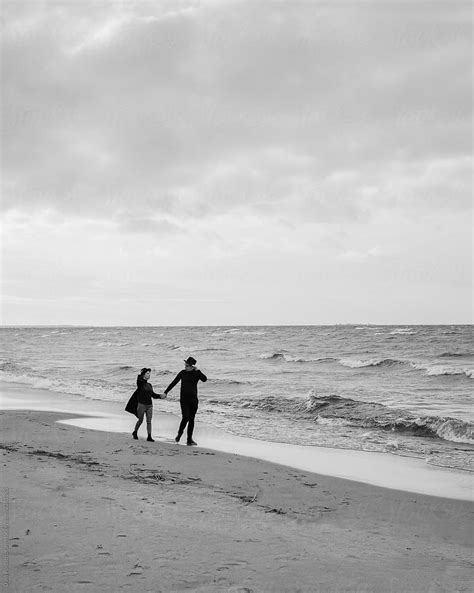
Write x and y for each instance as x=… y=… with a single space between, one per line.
x=144 y=406
x=189 y=378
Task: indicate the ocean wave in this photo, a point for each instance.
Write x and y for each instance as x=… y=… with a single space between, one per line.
x=117 y=372
x=108 y=344
x=429 y=369
x=253 y=333
x=375 y=415
x=11 y=367
x=211 y=350
x=438 y=370
x=90 y=388
x=55 y=384
x=290 y=358
x=300 y=359
x=456 y=355
x=239 y=332
x=403 y=331
x=35 y=382
x=335 y=410
x=179 y=348
x=111 y=388
x=217 y=381
x=372 y=362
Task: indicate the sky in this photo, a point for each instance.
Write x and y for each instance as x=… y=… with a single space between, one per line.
x=236 y=163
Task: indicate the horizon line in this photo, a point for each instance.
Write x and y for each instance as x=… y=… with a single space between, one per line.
x=32 y=325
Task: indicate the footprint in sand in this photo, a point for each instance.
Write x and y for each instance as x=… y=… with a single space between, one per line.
x=30 y=564
x=137 y=569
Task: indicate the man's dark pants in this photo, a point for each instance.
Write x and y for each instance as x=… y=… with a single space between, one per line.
x=188 y=412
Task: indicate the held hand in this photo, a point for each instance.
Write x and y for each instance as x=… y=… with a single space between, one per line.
x=164 y=395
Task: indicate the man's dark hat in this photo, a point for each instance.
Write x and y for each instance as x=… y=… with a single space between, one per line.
x=190 y=360
x=145 y=370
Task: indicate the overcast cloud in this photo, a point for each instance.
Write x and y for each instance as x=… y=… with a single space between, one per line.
x=236 y=162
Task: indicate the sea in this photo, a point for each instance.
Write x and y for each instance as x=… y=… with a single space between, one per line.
x=404 y=390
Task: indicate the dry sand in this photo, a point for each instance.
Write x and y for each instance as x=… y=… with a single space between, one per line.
x=86 y=510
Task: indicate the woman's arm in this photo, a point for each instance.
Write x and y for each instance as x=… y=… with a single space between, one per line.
x=158 y=395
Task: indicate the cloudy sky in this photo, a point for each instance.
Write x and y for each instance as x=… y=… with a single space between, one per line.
x=263 y=162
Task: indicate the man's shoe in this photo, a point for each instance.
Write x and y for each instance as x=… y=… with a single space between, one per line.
x=191 y=443
x=177 y=437
x=150 y=439
x=134 y=435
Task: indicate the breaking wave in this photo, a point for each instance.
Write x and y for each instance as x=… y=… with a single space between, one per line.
x=430 y=369
x=373 y=362
x=403 y=331
x=110 y=386
x=340 y=411
x=289 y=358
x=438 y=370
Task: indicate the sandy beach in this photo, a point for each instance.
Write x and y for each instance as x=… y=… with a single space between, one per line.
x=88 y=510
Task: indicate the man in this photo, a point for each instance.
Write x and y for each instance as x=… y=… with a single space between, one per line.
x=189 y=378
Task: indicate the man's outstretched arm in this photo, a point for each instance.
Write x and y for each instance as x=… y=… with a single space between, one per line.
x=174 y=382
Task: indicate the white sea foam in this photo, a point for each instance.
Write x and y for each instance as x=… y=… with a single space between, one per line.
x=90 y=389
x=332 y=421
x=357 y=364
x=453 y=430
x=438 y=370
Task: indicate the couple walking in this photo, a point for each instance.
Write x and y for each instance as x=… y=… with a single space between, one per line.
x=141 y=404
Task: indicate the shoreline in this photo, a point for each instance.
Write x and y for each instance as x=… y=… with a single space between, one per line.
x=90 y=511
x=379 y=469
